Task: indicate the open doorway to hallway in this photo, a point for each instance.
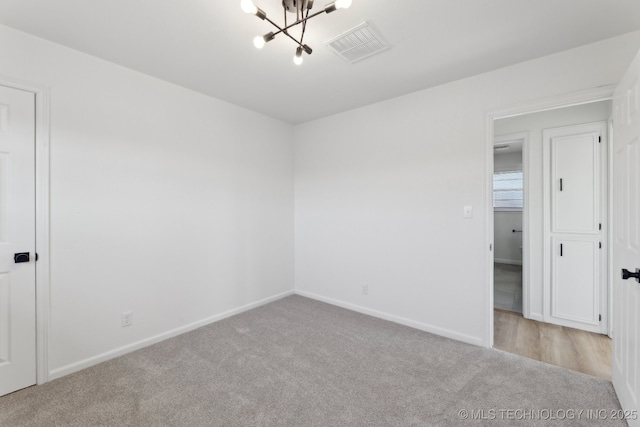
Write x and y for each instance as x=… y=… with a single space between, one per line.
x=508 y=206
x=551 y=281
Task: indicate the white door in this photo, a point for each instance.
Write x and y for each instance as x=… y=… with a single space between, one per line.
x=575 y=295
x=575 y=178
x=626 y=242
x=575 y=281
x=17 y=235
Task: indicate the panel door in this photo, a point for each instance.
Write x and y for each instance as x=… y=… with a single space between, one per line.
x=17 y=235
x=576 y=185
x=626 y=242
x=575 y=284
x=575 y=175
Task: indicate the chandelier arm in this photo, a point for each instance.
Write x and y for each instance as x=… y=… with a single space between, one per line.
x=285 y=32
x=300 y=21
x=304 y=27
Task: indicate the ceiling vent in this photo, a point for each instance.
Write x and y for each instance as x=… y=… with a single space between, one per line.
x=358 y=43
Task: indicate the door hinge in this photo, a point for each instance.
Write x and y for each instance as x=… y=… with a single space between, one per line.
x=599 y=139
x=600 y=226
x=599 y=245
x=600 y=317
x=36 y=256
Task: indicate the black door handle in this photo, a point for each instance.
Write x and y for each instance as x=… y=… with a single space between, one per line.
x=626 y=274
x=21 y=257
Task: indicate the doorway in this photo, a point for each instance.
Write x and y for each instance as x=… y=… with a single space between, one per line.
x=508 y=210
x=539 y=326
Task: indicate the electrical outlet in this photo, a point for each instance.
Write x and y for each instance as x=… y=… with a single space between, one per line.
x=365 y=289
x=127 y=318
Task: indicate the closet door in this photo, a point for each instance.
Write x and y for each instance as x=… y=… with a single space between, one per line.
x=574 y=295
x=575 y=175
x=575 y=291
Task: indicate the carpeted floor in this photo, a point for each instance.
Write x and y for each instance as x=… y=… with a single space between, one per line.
x=299 y=362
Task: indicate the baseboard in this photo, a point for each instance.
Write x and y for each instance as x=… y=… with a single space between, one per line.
x=86 y=363
x=536 y=316
x=396 y=319
x=507 y=261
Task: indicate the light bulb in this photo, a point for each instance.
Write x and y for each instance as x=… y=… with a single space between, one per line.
x=259 y=42
x=297 y=59
x=247 y=6
x=343 y=4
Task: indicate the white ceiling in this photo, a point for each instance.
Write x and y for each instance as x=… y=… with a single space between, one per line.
x=514 y=146
x=206 y=45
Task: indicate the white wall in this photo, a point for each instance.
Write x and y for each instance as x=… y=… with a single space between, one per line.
x=380 y=191
x=506 y=242
x=163 y=201
x=534 y=124
x=505 y=162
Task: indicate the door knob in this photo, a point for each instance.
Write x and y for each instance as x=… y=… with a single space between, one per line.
x=21 y=257
x=627 y=274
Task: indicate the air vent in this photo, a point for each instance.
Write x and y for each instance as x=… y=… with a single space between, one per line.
x=358 y=43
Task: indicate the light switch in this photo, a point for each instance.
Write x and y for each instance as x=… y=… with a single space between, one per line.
x=468 y=212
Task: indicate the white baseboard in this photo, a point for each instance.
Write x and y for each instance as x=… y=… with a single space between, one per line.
x=537 y=317
x=507 y=261
x=396 y=319
x=86 y=363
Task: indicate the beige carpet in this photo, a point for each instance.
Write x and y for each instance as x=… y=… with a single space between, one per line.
x=298 y=362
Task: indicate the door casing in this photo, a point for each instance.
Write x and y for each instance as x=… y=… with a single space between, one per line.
x=604 y=93
x=42 y=118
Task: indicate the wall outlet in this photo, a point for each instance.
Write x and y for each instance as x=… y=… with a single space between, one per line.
x=127 y=318
x=365 y=289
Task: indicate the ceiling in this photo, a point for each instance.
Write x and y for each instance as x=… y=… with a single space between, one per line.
x=508 y=147
x=206 y=45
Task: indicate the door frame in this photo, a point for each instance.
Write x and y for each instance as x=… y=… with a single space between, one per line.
x=42 y=144
x=603 y=93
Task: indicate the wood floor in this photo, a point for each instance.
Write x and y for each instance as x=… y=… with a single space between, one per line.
x=557 y=345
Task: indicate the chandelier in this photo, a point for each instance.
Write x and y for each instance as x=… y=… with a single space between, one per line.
x=302 y=11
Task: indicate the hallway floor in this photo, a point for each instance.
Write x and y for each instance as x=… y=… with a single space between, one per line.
x=507 y=287
x=569 y=348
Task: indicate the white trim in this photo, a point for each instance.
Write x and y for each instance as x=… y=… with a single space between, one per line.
x=396 y=319
x=603 y=93
x=488 y=233
x=508 y=209
x=537 y=317
x=508 y=262
x=42 y=142
x=42 y=235
x=91 y=361
x=610 y=278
